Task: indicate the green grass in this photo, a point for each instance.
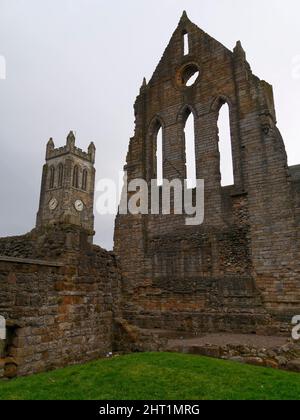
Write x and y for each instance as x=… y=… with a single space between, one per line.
x=156 y=376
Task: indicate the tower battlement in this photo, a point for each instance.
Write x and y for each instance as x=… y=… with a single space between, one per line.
x=52 y=152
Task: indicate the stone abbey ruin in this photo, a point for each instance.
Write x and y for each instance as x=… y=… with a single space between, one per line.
x=67 y=301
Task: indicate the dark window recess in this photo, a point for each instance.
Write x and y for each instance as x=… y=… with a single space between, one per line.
x=76 y=177
x=7 y=344
x=52 y=177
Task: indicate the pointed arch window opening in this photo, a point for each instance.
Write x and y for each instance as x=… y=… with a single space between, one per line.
x=190 y=149
x=159 y=156
x=75 y=177
x=52 y=177
x=84 y=180
x=60 y=175
x=225 y=146
x=186 y=46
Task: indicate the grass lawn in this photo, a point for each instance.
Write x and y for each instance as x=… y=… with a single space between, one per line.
x=155 y=376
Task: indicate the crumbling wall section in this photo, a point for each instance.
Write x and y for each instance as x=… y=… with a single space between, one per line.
x=58 y=312
x=240 y=269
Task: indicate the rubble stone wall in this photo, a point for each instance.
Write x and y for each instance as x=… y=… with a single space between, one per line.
x=239 y=270
x=60 y=311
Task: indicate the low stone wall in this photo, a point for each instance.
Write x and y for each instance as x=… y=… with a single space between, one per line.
x=273 y=352
x=58 y=313
x=198 y=304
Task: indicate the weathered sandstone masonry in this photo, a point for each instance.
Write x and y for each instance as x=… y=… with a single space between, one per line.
x=59 y=310
x=59 y=294
x=67 y=301
x=240 y=270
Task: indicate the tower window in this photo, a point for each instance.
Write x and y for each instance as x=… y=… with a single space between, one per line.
x=186 y=48
x=60 y=175
x=84 y=179
x=76 y=177
x=52 y=177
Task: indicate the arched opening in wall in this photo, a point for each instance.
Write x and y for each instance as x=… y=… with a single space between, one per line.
x=225 y=147
x=60 y=175
x=52 y=177
x=159 y=157
x=186 y=47
x=190 y=151
x=84 y=180
x=76 y=177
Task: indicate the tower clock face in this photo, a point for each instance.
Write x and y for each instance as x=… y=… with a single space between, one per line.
x=79 y=206
x=53 y=204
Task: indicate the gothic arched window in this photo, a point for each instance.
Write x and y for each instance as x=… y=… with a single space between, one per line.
x=84 y=179
x=190 y=151
x=156 y=152
x=186 y=46
x=76 y=177
x=225 y=147
x=60 y=174
x=52 y=177
x=159 y=157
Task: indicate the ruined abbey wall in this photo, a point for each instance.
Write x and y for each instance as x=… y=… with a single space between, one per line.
x=59 y=309
x=238 y=271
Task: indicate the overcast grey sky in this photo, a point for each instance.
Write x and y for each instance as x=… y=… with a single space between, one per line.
x=78 y=64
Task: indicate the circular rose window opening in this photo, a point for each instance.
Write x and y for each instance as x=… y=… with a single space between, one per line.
x=189 y=75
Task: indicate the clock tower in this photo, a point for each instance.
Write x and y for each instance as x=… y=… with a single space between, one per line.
x=68 y=186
